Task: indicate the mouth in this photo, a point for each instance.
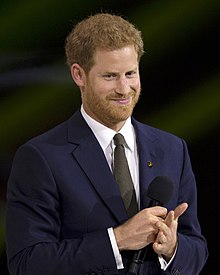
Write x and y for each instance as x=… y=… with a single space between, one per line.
x=123 y=101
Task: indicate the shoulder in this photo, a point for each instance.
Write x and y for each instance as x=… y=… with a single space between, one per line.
x=159 y=140
x=58 y=135
x=153 y=133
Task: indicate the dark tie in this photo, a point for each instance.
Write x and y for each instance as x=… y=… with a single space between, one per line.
x=123 y=176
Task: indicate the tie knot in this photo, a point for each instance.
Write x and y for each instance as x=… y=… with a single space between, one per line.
x=119 y=139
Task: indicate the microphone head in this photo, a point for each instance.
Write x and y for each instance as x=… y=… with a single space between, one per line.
x=160 y=189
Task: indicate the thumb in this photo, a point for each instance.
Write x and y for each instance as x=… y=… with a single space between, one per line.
x=179 y=210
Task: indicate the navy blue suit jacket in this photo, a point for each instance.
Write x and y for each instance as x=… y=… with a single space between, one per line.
x=62 y=197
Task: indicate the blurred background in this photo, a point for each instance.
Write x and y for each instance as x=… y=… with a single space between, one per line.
x=180 y=75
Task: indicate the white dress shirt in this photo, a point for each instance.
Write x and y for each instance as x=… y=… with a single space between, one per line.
x=105 y=135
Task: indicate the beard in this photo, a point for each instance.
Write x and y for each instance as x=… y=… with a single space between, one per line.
x=105 y=110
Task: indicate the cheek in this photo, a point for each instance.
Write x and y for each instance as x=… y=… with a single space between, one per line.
x=104 y=89
x=136 y=84
x=134 y=81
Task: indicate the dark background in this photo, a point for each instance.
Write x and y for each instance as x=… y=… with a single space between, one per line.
x=180 y=74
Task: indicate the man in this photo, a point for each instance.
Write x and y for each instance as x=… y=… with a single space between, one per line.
x=65 y=212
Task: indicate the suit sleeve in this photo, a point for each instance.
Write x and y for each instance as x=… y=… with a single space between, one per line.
x=192 y=252
x=33 y=226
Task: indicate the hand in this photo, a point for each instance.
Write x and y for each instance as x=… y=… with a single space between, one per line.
x=140 y=230
x=166 y=241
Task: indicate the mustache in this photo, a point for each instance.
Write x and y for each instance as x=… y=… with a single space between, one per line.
x=121 y=96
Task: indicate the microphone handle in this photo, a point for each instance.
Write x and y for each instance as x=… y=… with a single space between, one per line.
x=140 y=255
x=137 y=260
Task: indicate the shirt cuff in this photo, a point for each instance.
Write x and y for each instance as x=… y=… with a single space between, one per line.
x=115 y=249
x=163 y=263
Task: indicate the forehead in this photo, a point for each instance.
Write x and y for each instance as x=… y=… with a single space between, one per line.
x=125 y=57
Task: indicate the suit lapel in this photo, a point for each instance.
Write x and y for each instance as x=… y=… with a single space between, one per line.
x=89 y=154
x=91 y=159
x=150 y=157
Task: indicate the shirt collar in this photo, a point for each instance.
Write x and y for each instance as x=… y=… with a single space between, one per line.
x=105 y=135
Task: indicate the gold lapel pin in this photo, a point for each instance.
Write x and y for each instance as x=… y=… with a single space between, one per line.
x=150 y=164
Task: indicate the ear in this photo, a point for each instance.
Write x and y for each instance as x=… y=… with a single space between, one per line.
x=78 y=75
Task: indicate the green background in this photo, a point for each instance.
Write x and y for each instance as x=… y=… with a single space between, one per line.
x=180 y=75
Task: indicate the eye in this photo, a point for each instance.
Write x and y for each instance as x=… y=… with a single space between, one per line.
x=131 y=74
x=109 y=76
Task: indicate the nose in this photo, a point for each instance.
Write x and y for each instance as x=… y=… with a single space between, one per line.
x=123 y=86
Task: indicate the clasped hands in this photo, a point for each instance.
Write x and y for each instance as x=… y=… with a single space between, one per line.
x=151 y=225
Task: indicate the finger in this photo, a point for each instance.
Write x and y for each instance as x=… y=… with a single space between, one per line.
x=162 y=227
x=179 y=210
x=161 y=238
x=158 y=247
x=169 y=218
x=158 y=211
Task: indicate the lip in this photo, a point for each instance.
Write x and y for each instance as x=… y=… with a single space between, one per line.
x=123 y=101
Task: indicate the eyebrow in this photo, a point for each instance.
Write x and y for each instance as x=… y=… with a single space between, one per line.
x=114 y=72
